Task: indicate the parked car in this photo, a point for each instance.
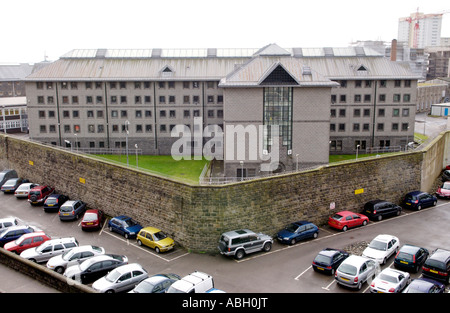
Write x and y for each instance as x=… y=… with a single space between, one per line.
x=7 y=222
x=14 y=232
x=7 y=174
x=94 y=268
x=346 y=219
x=390 y=281
x=381 y=248
x=378 y=209
x=26 y=241
x=49 y=249
x=92 y=219
x=158 y=283
x=154 y=238
x=240 y=242
x=124 y=225
x=24 y=189
x=328 y=260
x=297 y=231
x=122 y=278
x=38 y=194
x=445 y=175
x=54 y=202
x=444 y=191
x=424 y=285
x=437 y=266
x=196 y=282
x=411 y=257
x=355 y=270
x=12 y=184
x=73 y=256
x=71 y=210
x=418 y=200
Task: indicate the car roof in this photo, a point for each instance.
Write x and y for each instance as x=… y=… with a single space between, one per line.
x=151 y=229
x=392 y=271
x=346 y=212
x=7 y=219
x=384 y=237
x=39 y=187
x=65 y=239
x=416 y=192
x=329 y=251
x=440 y=255
x=355 y=260
x=69 y=202
x=302 y=223
x=407 y=248
x=238 y=232
x=122 y=217
x=128 y=267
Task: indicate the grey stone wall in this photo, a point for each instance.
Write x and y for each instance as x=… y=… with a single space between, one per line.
x=194 y=215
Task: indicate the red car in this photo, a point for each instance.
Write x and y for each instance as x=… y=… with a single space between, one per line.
x=346 y=219
x=92 y=219
x=444 y=190
x=38 y=194
x=26 y=241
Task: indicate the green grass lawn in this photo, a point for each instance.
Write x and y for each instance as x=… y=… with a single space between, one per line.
x=164 y=165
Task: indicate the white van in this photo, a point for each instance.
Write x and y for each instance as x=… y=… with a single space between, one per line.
x=196 y=282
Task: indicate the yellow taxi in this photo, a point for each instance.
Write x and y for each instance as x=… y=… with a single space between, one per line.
x=154 y=238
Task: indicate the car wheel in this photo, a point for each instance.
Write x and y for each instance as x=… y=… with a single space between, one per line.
x=416 y=268
x=332 y=271
x=434 y=203
x=110 y=291
x=345 y=228
x=359 y=286
x=316 y=234
x=139 y=242
x=384 y=261
x=293 y=241
x=110 y=228
x=126 y=236
x=419 y=207
x=379 y=218
x=157 y=250
x=59 y=270
x=267 y=247
x=399 y=212
x=364 y=223
x=239 y=254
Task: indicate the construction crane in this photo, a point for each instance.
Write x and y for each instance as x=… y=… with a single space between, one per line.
x=416 y=18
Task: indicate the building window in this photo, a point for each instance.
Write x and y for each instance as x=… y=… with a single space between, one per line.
x=381 y=112
x=278 y=111
x=357 y=98
x=380 y=127
x=382 y=98
x=356 y=127
x=396 y=97
x=394 y=126
x=356 y=112
x=406 y=97
x=405 y=112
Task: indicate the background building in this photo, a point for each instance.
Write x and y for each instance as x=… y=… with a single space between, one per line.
x=11 y=79
x=420 y=30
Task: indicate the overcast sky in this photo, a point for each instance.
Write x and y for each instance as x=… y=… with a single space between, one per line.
x=32 y=29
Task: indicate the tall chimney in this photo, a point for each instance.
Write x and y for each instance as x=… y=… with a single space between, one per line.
x=394 y=50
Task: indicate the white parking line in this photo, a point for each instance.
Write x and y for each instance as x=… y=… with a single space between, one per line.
x=296 y=278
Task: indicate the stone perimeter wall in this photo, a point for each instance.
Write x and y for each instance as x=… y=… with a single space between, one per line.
x=194 y=215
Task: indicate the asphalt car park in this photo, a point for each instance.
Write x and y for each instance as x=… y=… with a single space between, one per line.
x=284 y=269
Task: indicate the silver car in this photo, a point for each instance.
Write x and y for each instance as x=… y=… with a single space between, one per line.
x=122 y=278
x=76 y=255
x=49 y=249
x=355 y=271
x=390 y=281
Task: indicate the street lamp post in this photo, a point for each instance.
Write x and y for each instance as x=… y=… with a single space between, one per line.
x=296 y=166
x=242 y=170
x=137 y=164
x=357 y=148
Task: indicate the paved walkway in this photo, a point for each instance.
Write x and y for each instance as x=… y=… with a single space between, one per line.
x=13 y=281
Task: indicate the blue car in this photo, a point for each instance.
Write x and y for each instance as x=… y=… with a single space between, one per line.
x=124 y=225
x=418 y=200
x=328 y=260
x=424 y=285
x=13 y=233
x=297 y=231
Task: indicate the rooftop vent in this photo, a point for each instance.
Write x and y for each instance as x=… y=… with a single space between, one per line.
x=212 y=52
x=328 y=51
x=306 y=70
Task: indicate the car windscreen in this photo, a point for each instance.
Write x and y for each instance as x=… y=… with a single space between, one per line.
x=435 y=264
x=89 y=217
x=410 y=197
x=51 y=200
x=322 y=259
x=348 y=269
x=144 y=287
x=387 y=278
x=378 y=245
x=337 y=217
x=130 y=222
x=66 y=208
x=159 y=236
x=35 y=192
x=405 y=256
x=291 y=228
